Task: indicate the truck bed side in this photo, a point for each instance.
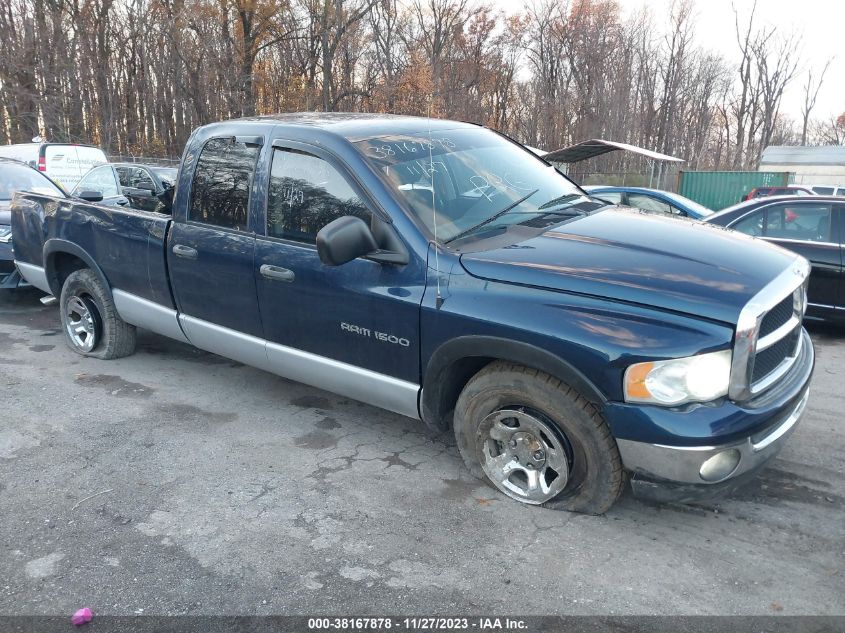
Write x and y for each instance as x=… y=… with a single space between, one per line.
x=125 y=246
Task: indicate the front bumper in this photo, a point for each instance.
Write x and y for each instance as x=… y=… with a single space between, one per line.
x=674 y=473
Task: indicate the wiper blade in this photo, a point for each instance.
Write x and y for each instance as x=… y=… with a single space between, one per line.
x=492 y=218
x=559 y=200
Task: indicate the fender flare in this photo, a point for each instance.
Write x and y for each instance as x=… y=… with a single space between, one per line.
x=55 y=246
x=456 y=361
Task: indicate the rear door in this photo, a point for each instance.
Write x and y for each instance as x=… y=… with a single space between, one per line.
x=811 y=229
x=210 y=253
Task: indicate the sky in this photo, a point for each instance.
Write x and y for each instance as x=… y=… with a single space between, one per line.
x=818 y=22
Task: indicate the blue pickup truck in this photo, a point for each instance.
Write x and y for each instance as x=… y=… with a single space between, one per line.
x=441 y=271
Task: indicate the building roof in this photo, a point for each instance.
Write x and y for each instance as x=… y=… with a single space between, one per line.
x=802 y=155
x=596 y=147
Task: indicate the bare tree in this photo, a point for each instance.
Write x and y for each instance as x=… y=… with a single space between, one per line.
x=811 y=94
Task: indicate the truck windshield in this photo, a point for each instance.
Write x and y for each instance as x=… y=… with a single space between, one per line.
x=471 y=180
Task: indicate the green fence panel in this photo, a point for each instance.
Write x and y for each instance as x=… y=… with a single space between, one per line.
x=719 y=189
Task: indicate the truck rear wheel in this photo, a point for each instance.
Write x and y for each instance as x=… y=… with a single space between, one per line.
x=537 y=440
x=90 y=321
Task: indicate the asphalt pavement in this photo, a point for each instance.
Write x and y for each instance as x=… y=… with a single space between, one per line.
x=179 y=482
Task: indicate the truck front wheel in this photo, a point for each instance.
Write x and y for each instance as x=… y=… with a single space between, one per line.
x=90 y=321
x=537 y=440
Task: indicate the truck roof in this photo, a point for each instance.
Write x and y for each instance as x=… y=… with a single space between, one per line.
x=354 y=125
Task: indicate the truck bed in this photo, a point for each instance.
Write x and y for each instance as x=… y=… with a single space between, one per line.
x=127 y=245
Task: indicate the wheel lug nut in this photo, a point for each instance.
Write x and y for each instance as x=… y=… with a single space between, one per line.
x=513 y=443
x=539 y=455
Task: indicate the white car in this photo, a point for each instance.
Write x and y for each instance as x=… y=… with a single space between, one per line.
x=829 y=190
x=65 y=163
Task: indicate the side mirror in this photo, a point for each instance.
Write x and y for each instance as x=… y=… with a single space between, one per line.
x=90 y=196
x=344 y=239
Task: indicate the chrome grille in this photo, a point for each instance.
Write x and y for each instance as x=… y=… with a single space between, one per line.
x=777 y=340
x=768 y=332
x=777 y=316
x=768 y=360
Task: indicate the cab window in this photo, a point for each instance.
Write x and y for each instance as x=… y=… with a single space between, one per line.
x=222 y=181
x=306 y=193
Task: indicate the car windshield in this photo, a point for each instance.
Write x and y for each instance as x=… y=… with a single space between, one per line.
x=22 y=178
x=167 y=175
x=471 y=181
x=690 y=204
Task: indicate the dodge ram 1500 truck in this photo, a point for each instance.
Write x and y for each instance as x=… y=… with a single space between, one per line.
x=441 y=271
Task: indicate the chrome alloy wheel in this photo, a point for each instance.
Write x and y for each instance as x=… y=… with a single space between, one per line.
x=81 y=322
x=523 y=456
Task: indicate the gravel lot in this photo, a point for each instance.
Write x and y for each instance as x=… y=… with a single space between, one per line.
x=179 y=482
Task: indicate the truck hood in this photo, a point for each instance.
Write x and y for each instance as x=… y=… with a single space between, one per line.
x=625 y=255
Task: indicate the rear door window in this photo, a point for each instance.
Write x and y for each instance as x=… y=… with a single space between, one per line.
x=823 y=191
x=222 y=182
x=804 y=222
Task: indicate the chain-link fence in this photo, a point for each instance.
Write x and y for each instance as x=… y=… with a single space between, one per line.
x=667 y=180
x=145 y=160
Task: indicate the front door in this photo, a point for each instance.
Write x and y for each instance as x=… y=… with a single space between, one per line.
x=211 y=255
x=810 y=229
x=352 y=328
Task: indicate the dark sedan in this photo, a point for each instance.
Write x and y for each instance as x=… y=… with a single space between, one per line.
x=128 y=184
x=16 y=176
x=810 y=226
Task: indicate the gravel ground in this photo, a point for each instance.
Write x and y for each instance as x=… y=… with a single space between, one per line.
x=178 y=482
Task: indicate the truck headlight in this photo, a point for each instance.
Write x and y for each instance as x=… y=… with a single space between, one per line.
x=697 y=378
x=5 y=233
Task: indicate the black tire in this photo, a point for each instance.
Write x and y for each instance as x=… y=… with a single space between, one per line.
x=595 y=479
x=113 y=337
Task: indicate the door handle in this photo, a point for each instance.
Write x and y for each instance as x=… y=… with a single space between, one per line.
x=122 y=202
x=276 y=273
x=184 y=251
